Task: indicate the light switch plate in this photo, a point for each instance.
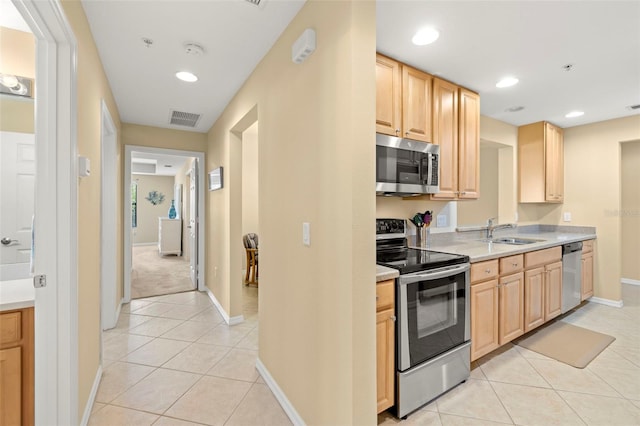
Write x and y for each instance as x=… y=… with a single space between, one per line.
x=441 y=221
x=567 y=217
x=306 y=234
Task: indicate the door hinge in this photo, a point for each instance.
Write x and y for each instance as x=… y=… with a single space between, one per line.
x=39 y=281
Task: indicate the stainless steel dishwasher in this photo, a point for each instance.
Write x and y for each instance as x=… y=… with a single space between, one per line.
x=571 y=275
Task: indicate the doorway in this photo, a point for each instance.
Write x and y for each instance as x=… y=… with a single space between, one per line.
x=156 y=181
x=250 y=218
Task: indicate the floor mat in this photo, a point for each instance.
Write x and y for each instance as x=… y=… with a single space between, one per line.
x=567 y=343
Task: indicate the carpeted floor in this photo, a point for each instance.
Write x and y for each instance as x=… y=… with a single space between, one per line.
x=154 y=275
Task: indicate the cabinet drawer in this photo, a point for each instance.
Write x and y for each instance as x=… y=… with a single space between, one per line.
x=483 y=271
x=384 y=295
x=511 y=264
x=542 y=257
x=587 y=246
x=10 y=327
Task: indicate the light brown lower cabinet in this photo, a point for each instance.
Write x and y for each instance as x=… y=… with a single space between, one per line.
x=587 y=269
x=511 y=316
x=534 y=298
x=484 y=318
x=385 y=344
x=553 y=290
x=16 y=367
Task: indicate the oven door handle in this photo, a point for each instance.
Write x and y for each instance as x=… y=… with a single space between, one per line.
x=433 y=275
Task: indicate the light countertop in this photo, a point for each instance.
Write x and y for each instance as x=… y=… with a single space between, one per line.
x=383 y=273
x=478 y=250
x=16 y=294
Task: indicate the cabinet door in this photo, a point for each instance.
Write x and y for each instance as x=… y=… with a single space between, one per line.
x=484 y=318
x=553 y=290
x=533 y=298
x=511 y=319
x=11 y=386
x=416 y=104
x=385 y=359
x=554 y=164
x=587 y=275
x=445 y=134
x=388 y=96
x=469 y=145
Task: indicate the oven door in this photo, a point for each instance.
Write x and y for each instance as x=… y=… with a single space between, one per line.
x=433 y=313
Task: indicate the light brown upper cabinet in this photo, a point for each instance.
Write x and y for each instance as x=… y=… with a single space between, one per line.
x=403 y=100
x=456 y=128
x=541 y=163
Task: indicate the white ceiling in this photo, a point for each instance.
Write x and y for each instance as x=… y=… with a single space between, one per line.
x=165 y=165
x=11 y=18
x=235 y=35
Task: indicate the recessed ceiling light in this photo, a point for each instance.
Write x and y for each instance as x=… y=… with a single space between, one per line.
x=425 y=36
x=574 y=114
x=168 y=165
x=507 y=82
x=186 y=76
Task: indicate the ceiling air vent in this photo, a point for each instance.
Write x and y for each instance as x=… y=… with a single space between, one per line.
x=634 y=107
x=181 y=118
x=256 y=2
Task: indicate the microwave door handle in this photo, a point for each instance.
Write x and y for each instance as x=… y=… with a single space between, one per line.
x=420 y=170
x=429 y=168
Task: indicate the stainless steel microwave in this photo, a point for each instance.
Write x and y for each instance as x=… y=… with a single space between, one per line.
x=405 y=167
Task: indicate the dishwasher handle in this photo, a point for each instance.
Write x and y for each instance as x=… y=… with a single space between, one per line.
x=571 y=248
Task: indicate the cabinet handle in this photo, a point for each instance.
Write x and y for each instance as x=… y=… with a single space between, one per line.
x=463 y=193
x=377 y=297
x=488 y=271
x=515 y=265
x=393 y=318
x=397 y=132
x=406 y=133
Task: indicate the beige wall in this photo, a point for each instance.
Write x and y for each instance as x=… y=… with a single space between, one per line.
x=476 y=212
x=157 y=137
x=630 y=210
x=17 y=56
x=92 y=88
x=593 y=192
x=147 y=230
x=316 y=157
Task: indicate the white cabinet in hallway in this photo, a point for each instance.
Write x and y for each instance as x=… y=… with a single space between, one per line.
x=169 y=236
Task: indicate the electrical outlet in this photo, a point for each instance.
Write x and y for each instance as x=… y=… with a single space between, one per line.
x=567 y=217
x=442 y=221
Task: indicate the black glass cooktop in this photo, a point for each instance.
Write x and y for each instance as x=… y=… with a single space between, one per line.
x=413 y=260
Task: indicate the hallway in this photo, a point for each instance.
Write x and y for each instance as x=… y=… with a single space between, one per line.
x=172 y=360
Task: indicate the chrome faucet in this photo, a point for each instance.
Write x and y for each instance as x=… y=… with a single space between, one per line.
x=491 y=227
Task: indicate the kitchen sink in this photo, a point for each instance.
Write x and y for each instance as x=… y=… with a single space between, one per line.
x=513 y=241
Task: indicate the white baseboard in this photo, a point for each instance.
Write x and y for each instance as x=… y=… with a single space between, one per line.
x=630 y=281
x=279 y=394
x=607 y=302
x=92 y=397
x=229 y=320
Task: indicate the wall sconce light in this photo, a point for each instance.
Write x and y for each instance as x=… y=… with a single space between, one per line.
x=16 y=85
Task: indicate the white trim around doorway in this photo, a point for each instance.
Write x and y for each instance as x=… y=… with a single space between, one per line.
x=199 y=156
x=56 y=222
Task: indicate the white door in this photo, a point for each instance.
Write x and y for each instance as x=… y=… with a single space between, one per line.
x=193 y=222
x=17 y=192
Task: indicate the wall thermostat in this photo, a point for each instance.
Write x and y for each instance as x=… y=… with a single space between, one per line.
x=84 y=167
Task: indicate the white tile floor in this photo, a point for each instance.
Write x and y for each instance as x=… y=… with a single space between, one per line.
x=516 y=386
x=172 y=360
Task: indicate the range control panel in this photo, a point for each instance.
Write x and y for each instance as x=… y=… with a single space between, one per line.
x=390 y=228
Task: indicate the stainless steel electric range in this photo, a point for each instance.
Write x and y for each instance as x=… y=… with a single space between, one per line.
x=433 y=341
